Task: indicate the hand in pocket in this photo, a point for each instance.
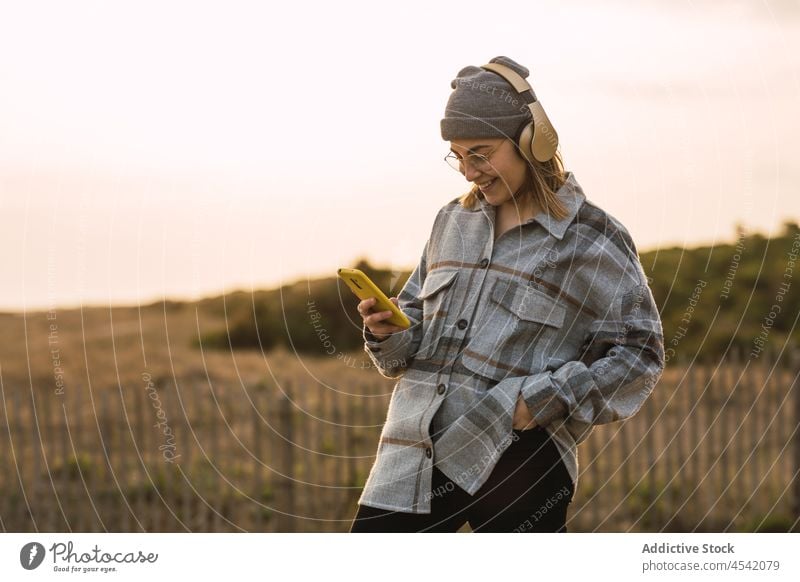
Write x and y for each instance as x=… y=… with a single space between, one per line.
x=523 y=420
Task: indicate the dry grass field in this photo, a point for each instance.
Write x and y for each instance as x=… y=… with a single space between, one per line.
x=279 y=442
x=102 y=347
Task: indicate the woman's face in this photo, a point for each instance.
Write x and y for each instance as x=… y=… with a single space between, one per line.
x=506 y=169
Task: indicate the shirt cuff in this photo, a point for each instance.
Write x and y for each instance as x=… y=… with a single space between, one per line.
x=388 y=347
x=543 y=398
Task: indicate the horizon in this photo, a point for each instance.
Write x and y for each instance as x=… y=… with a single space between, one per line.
x=147 y=302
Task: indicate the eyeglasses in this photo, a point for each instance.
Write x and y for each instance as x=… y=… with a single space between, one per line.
x=478 y=161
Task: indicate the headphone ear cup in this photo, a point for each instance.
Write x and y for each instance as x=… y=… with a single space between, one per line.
x=525 y=142
x=545 y=139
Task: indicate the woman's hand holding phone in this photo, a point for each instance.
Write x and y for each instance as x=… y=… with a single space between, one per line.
x=374 y=319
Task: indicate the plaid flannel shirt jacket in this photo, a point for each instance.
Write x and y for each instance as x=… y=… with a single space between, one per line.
x=557 y=310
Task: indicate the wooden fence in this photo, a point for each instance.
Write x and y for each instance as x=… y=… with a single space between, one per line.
x=715 y=448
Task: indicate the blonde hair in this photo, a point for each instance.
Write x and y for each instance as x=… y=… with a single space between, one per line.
x=542 y=182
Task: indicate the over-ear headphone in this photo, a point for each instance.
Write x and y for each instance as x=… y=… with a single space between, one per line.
x=537 y=140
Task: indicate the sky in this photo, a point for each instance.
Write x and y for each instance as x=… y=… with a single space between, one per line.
x=180 y=150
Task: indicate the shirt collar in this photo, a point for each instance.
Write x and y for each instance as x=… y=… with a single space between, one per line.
x=570 y=193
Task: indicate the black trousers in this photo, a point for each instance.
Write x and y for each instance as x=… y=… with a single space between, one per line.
x=528 y=491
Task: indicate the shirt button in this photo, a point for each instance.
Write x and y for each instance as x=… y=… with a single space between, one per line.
x=484 y=262
x=441 y=388
x=428 y=452
x=462 y=323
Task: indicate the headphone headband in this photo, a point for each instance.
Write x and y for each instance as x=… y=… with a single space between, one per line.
x=539 y=139
x=520 y=85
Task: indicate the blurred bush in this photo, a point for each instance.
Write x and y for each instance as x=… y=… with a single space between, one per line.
x=711 y=299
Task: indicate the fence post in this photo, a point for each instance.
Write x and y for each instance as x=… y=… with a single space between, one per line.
x=216 y=469
x=189 y=499
x=46 y=430
x=346 y=404
x=794 y=358
x=258 y=483
x=729 y=411
x=5 y=465
x=141 y=469
x=286 y=521
x=109 y=518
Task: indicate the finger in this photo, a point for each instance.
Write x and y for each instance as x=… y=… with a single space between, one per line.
x=383 y=316
x=377 y=318
x=384 y=328
x=365 y=305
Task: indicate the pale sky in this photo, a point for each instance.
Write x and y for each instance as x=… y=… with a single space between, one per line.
x=187 y=149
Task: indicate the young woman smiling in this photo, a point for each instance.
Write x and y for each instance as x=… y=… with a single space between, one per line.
x=532 y=322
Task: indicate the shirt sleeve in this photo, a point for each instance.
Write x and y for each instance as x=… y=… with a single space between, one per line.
x=622 y=357
x=392 y=355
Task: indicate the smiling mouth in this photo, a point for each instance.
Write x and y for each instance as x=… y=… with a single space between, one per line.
x=487 y=185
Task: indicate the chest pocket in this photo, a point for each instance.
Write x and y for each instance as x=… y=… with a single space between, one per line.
x=435 y=295
x=516 y=327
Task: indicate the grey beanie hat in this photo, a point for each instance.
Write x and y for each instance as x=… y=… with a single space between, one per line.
x=484 y=104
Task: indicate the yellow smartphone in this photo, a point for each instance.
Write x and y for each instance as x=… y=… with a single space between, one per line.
x=364 y=288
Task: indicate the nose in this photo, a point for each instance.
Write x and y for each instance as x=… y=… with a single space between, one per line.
x=470 y=173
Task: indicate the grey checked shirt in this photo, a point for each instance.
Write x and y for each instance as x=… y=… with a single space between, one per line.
x=557 y=310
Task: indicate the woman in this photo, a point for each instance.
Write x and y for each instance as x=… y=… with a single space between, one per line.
x=532 y=321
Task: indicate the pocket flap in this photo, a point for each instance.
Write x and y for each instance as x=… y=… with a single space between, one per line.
x=528 y=303
x=437 y=280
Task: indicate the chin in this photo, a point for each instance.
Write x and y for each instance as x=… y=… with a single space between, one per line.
x=497 y=200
